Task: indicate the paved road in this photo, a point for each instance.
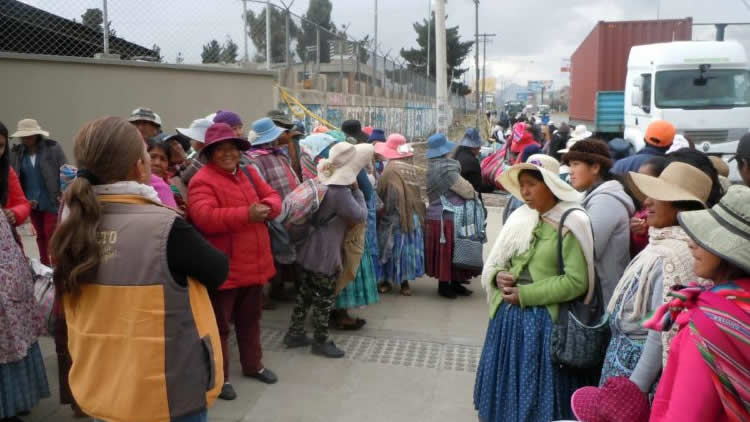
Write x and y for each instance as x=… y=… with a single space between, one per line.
x=414 y=361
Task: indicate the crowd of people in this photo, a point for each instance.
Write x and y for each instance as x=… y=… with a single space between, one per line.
x=651 y=248
x=162 y=243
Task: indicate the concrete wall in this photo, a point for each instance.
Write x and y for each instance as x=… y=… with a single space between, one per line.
x=410 y=117
x=63 y=93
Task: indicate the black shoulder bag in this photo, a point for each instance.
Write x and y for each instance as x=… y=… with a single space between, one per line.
x=581 y=334
x=281 y=245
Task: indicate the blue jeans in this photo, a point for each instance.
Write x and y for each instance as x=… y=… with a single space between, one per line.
x=195 y=417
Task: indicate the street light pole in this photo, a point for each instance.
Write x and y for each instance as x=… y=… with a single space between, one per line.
x=105 y=16
x=268 y=35
x=476 y=55
x=429 y=34
x=441 y=66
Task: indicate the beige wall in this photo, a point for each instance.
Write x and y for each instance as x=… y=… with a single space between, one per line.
x=64 y=93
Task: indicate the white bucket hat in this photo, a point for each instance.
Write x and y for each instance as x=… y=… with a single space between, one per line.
x=549 y=168
x=344 y=163
x=144 y=114
x=197 y=130
x=28 y=127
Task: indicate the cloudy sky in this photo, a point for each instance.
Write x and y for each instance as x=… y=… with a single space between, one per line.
x=533 y=36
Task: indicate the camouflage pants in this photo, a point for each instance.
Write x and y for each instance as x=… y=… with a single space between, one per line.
x=316 y=290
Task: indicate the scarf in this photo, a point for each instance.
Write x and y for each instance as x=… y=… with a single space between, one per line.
x=719 y=324
x=398 y=187
x=442 y=174
x=516 y=234
x=667 y=247
x=314 y=144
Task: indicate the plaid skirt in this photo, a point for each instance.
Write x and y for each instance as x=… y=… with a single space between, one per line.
x=23 y=383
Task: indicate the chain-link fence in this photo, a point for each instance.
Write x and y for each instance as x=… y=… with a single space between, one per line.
x=306 y=54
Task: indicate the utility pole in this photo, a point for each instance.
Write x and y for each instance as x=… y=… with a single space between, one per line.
x=268 y=35
x=476 y=55
x=429 y=34
x=375 y=58
x=244 y=30
x=484 y=65
x=441 y=66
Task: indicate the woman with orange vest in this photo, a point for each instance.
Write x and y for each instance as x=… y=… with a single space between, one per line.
x=132 y=276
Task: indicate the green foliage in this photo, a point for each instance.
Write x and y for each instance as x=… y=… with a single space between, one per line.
x=319 y=11
x=257 y=32
x=213 y=52
x=457 y=50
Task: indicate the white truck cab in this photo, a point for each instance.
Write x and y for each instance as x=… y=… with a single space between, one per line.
x=702 y=87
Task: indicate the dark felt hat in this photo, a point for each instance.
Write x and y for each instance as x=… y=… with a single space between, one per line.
x=589 y=151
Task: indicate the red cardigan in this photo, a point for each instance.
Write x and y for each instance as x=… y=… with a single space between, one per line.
x=218 y=204
x=17 y=201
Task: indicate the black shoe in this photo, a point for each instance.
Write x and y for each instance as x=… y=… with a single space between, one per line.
x=227 y=392
x=327 y=349
x=446 y=291
x=265 y=376
x=295 y=341
x=460 y=289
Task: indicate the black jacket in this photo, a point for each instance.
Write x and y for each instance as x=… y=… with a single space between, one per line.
x=558 y=142
x=51 y=157
x=471 y=170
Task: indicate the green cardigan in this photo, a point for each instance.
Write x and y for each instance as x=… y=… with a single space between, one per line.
x=548 y=288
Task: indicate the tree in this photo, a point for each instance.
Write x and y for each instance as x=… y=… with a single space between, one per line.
x=229 y=51
x=457 y=51
x=211 y=52
x=319 y=12
x=157 y=54
x=257 y=32
x=179 y=59
x=94 y=18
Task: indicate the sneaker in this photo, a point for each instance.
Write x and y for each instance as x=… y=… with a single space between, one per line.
x=446 y=291
x=294 y=341
x=227 y=392
x=460 y=289
x=265 y=376
x=327 y=349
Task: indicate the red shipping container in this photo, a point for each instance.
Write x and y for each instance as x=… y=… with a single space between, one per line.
x=600 y=63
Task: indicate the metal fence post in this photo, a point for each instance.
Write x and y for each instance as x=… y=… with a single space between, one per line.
x=105 y=16
x=341 y=69
x=286 y=51
x=268 y=35
x=317 y=55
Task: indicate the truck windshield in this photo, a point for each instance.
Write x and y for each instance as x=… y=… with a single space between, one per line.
x=721 y=88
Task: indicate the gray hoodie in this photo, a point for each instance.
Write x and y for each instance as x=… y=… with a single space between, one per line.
x=610 y=209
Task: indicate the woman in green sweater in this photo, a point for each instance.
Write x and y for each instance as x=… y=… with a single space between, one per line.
x=516 y=379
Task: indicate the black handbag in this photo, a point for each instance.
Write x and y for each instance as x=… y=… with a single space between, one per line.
x=581 y=334
x=281 y=245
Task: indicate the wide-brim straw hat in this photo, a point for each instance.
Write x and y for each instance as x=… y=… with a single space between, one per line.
x=678 y=182
x=724 y=230
x=549 y=168
x=344 y=162
x=28 y=127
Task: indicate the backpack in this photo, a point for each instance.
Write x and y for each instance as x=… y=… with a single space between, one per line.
x=302 y=203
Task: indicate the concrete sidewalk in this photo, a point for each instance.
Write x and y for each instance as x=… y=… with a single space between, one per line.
x=415 y=360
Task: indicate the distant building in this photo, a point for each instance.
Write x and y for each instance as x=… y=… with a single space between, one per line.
x=27 y=29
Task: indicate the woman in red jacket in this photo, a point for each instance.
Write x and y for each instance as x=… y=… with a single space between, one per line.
x=230 y=210
x=12 y=200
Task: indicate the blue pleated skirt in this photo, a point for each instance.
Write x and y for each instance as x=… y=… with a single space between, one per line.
x=407 y=259
x=23 y=383
x=516 y=380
